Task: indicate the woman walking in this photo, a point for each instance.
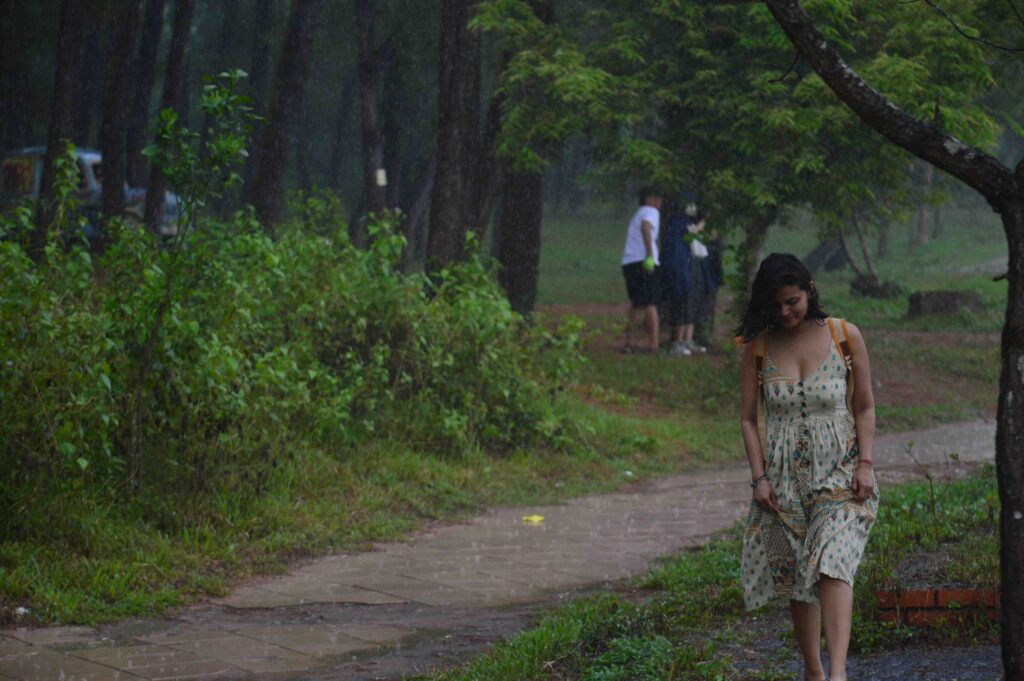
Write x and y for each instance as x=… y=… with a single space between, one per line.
x=808 y=436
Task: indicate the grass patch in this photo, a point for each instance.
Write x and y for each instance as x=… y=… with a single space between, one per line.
x=116 y=562
x=685 y=619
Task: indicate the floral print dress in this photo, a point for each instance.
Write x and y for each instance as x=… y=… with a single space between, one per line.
x=811 y=458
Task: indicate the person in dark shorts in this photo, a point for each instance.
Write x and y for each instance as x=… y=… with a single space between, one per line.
x=640 y=270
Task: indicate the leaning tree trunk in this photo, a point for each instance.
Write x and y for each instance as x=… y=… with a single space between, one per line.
x=451 y=206
x=517 y=238
x=143 y=75
x=847 y=254
x=62 y=116
x=173 y=98
x=1004 y=190
x=124 y=20
x=289 y=87
x=865 y=251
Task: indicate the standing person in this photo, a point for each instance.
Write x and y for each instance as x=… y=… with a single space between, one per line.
x=714 y=276
x=810 y=454
x=675 y=276
x=640 y=269
x=685 y=277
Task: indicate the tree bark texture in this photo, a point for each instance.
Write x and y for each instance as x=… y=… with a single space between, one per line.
x=1010 y=450
x=259 y=77
x=62 y=115
x=865 y=251
x=339 y=150
x=289 y=86
x=415 y=235
x=1004 y=190
x=88 y=78
x=517 y=246
x=172 y=98
x=847 y=254
x=124 y=20
x=451 y=207
x=750 y=255
x=143 y=76
x=370 y=90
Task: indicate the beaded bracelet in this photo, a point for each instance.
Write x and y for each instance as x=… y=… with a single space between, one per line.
x=764 y=476
x=867 y=462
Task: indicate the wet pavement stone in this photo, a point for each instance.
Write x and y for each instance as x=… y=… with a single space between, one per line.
x=356 y=616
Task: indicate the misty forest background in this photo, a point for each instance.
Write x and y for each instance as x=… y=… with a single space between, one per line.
x=316 y=360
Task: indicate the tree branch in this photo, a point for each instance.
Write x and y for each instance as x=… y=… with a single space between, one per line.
x=968 y=163
x=1016 y=12
x=978 y=39
x=796 y=60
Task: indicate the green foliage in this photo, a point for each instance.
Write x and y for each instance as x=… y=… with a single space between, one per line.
x=159 y=373
x=955 y=520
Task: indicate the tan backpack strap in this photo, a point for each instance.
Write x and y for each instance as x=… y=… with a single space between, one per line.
x=842 y=343
x=759 y=356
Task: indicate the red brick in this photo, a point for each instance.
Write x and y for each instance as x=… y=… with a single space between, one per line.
x=989 y=597
x=886 y=600
x=957 y=597
x=889 y=616
x=917 y=598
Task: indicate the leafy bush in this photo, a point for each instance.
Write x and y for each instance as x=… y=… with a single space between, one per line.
x=167 y=372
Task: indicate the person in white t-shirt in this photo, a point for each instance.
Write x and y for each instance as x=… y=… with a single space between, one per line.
x=640 y=269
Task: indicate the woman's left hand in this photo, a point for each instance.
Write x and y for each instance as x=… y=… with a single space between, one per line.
x=863 y=482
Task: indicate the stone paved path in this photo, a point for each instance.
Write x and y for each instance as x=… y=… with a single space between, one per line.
x=336 y=617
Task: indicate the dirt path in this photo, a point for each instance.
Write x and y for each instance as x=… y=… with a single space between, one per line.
x=444 y=595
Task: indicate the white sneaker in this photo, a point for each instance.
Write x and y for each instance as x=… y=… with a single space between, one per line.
x=695 y=349
x=679 y=348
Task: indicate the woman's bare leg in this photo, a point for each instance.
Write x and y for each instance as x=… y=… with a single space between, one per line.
x=837 y=612
x=807 y=629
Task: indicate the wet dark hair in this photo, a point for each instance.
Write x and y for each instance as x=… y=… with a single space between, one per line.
x=776 y=271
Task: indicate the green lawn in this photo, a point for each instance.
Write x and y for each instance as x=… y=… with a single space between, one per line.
x=580 y=265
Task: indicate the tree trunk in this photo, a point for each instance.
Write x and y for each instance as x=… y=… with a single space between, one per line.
x=339 y=149
x=1010 y=447
x=174 y=87
x=920 y=236
x=88 y=79
x=370 y=91
x=487 y=180
x=749 y=256
x=143 y=75
x=882 y=247
x=451 y=207
x=289 y=86
x=415 y=241
x=850 y=260
x=863 y=244
x=394 y=144
x=259 y=77
x=124 y=20
x=1004 y=190
x=62 y=115
x=517 y=238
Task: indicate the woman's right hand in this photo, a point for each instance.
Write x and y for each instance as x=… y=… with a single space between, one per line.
x=764 y=495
